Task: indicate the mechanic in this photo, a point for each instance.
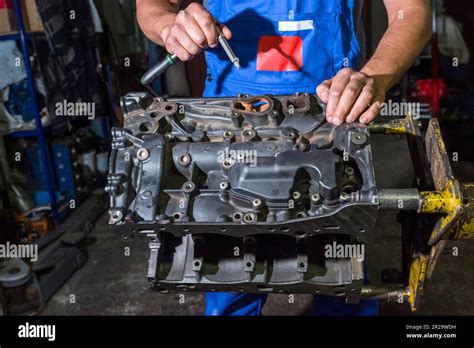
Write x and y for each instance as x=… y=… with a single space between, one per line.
x=289 y=46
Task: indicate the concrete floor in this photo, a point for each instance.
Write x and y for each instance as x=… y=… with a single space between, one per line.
x=111 y=283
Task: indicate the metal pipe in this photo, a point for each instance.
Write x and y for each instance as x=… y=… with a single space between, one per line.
x=390 y=294
x=399 y=199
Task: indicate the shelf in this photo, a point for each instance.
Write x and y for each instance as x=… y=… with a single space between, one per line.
x=16 y=35
x=31 y=133
x=41 y=133
x=23 y=134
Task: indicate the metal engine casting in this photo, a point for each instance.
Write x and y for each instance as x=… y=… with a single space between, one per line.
x=246 y=194
x=242 y=194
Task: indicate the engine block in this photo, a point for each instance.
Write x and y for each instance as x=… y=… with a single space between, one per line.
x=243 y=194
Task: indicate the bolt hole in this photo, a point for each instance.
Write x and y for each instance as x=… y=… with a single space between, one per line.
x=348 y=189
x=145 y=127
x=300 y=234
x=284 y=229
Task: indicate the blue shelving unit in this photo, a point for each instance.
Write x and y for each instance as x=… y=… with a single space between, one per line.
x=40 y=133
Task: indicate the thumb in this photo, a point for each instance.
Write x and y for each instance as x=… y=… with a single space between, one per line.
x=226 y=31
x=323 y=90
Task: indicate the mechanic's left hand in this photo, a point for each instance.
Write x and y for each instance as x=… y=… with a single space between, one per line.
x=351 y=95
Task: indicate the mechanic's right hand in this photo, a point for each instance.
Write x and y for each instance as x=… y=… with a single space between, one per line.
x=193 y=30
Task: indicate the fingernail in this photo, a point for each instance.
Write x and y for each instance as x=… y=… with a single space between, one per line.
x=214 y=45
x=362 y=120
x=350 y=118
x=324 y=94
x=336 y=121
x=335 y=93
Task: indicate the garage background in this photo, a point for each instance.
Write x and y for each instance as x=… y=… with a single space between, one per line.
x=54 y=164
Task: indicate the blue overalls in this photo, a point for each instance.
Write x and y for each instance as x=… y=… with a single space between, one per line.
x=284 y=46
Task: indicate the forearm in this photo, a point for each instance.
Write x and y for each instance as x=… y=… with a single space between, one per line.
x=155 y=15
x=408 y=31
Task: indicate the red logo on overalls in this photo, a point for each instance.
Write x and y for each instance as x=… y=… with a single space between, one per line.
x=280 y=53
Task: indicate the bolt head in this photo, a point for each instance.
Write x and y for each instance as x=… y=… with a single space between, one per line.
x=358 y=138
x=315 y=198
x=257 y=203
x=296 y=195
x=184 y=159
x=143 y=154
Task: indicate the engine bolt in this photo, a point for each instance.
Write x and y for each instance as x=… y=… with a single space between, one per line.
x=224 y=185
x=300 y=147
x=188 y=187
x=228 y=134
x=316 y=198
x=237 y=217
x=143 y=154
x=345 y=197
x=249 y=218
x=296 y=195
x=117 y=216
x=358 y=138
x=349 y=171
x=248 y=134
x=257 y=203
x=184 y=159
x=228 y=163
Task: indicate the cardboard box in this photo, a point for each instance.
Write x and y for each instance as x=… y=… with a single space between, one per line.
x=31 y=17
x=7 y=21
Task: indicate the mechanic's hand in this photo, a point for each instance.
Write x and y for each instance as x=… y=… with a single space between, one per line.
x=192 y=30
x=351 y=95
